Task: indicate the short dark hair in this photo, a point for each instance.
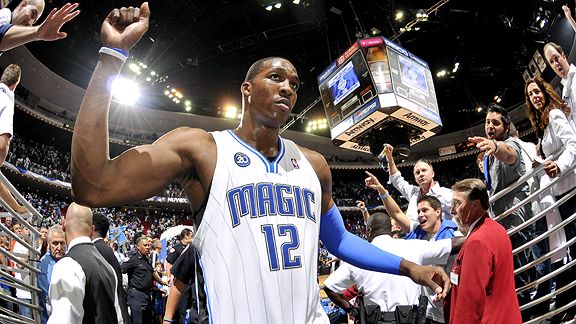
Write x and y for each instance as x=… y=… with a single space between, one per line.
x=380 y=223
x=433 y=201
x=500 y=110
x=476 y=190
x=101 y=224
x=11 y=75
x=257 y=67
x=141 y=238
x=185 y=232
x=555 y=46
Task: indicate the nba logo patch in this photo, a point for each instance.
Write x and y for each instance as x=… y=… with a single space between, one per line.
x=295 y=163
x=241 y=159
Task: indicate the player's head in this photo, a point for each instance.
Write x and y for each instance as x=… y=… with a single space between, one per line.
x=11 y=76
x=423 y=173
x=378 y=224
x=470 y=200
x=497 y=124
x=101 y=225
x=556 y=57
x=27 y=12
x=269 y=92
x=429 y=213
x=186 y=236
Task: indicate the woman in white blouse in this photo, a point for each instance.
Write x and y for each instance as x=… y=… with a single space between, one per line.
x=556 y=133
x=545 y=109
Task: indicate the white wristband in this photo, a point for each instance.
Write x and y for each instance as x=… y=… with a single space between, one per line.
x=113 y=52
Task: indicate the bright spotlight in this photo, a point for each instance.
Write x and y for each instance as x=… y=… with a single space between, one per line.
x=230 y=111
x=125 y=91
x=269 y=8
x=278 y=5
x=296 y=1
x=399 y=15
x=188 y=103
x=188 y=108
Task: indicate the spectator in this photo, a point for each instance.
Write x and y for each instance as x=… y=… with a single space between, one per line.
x=556 y=134
x=424 y=175
x=482 y=276
x=56 y=249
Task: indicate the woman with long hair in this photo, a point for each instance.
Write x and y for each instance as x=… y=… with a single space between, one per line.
x=555 y=134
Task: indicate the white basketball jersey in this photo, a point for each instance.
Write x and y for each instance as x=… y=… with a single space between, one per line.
x=257 y=241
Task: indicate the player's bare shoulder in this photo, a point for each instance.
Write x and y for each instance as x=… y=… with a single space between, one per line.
x=190 y=143
x=318 y=162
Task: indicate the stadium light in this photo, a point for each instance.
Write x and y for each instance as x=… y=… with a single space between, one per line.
x=230 y=111
x=125 y=91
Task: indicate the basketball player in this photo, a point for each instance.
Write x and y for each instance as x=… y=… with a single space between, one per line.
x=260 y=201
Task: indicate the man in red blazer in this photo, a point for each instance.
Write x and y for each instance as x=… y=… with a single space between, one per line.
x=483 y=273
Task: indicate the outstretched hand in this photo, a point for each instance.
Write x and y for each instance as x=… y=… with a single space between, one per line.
x=484 y=144
x=430 y=276
x=49 y=30
x=124 y=27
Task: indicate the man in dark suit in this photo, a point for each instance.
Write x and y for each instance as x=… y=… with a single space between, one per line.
x=483 y=273
x=101 y=226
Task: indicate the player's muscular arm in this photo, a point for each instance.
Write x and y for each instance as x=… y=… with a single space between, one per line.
x=140 y=172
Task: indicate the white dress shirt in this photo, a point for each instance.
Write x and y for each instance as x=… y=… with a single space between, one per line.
x=411 y=193
x=387 y=290
x=20 y=249
x=569 y=91
x=559 y=135
x=67 y=289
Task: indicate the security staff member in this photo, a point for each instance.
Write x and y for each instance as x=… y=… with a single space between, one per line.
x=140 y=275
x=186 y=237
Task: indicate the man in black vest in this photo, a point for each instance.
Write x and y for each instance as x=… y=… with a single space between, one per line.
x=101 y=227
x=83 y=284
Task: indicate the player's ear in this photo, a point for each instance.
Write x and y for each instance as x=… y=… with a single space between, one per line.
x=245 y=88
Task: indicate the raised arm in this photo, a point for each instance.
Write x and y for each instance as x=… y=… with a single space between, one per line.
x=568 y=15
x=392 y=168
x=365 y=214
x=139 y=172
x=392 y=207
x=49 y=30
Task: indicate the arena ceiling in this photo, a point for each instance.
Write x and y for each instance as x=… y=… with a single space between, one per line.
x=205 y=47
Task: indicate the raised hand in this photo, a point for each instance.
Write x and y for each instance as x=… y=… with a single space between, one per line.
x=124 y=27
x=373 y=182
x=388 y=150
x=567 y=12
x=49 y=30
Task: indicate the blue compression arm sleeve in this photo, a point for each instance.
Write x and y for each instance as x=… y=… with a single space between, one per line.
x=351 y=248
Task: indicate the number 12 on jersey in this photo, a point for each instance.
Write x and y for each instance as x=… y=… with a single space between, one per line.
x=292 y=242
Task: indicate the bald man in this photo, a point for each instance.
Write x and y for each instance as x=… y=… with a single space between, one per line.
x=83 y=284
